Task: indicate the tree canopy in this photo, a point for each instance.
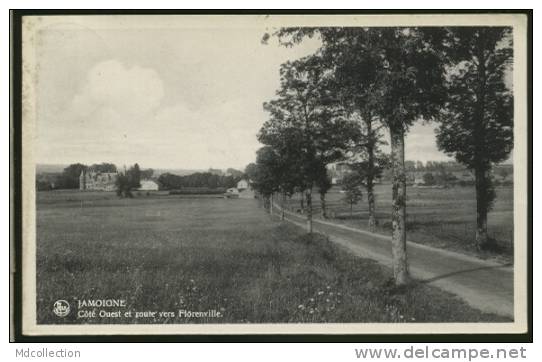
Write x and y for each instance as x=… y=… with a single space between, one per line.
x=476 y=124
x=396 y=72
x=306 y=121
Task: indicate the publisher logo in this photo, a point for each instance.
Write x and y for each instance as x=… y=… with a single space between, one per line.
x=61 y=308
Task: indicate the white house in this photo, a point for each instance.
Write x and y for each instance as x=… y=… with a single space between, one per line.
x=148 y=185
x=418 y=180
x=242 y=185
x=231 y=193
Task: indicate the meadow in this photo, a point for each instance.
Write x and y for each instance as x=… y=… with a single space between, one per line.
x=443 y=218
x=170 y=252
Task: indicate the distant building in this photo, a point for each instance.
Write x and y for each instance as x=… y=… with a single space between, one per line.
x=148 y=185
x=97 y=181
x=242 y=185
x=415 y=177
x=245 y=190
x=231 y=193
x=418 y=180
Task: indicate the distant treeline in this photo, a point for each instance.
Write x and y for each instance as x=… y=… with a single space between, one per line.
x=449 y=172
x=448 y=166
x=69 y=177
x=433 y=166
x=198 y=191
x=209 y=180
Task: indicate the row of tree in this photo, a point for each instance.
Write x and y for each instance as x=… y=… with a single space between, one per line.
x=433 y=166
x=69 y=178
x=199 y=179
x=333 y=105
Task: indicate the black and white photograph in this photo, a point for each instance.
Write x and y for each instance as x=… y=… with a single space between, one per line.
x=274 y=174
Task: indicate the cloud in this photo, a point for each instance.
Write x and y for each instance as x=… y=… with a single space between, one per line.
x=115 y=87
x=119 y=113
x=172 y=97
x=110 y=105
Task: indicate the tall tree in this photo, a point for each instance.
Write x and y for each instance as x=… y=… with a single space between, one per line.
x=127 y=181
x=307 y=123
x=146 y=174
x=134 y=176
x=355 y=86
x=250 y=171
x=254 y=173
x=403 y=69
x=323 y=183
x=266 y=174
x=351 y=185
x=123 y=185
x=368 y=161
x=476 y=124
x=353 y=82
x=70 y=176
x=103 y=167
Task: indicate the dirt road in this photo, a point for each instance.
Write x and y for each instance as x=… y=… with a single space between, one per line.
x=485 y=285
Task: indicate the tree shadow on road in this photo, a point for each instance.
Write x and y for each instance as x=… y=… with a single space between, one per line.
x=443 y=276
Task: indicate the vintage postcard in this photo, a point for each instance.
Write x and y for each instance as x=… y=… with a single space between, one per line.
x=274 y=174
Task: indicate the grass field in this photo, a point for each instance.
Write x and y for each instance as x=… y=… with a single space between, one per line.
x=167 y=253
x=444 y=218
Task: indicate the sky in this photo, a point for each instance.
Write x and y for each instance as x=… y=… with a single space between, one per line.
x=163 y=97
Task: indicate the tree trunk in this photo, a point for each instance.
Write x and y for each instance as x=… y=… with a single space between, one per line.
x=484 y=189
x=266 y=203
x=371 y=171
x=302 y=201
x=283 y=206
x=323 y=204
x=371 y=201
x=482 y=185
x=398 y=237
x=309 y=210
x=271 y=205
